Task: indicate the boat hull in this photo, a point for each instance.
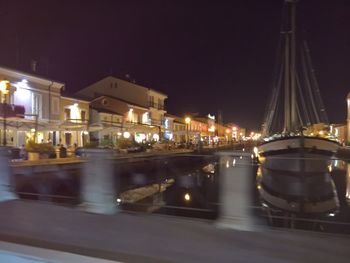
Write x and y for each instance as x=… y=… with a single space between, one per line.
x=294 y=175
x=307 y=154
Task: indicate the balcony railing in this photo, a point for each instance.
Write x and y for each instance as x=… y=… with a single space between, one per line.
x=11 y=110
x=156 y=105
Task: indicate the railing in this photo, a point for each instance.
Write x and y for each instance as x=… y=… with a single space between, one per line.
x=156 y=105
x=11 y=110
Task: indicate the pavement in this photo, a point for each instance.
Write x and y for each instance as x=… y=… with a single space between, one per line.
x=133 y=237
x=14 y=253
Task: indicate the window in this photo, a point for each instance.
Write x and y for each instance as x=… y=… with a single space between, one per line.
x=82 y=113
x=151 y=101
x=36 y=105
x=68 y=138
x=104 y=102
x=115 y=85
x=55 y=105
x=66 y=114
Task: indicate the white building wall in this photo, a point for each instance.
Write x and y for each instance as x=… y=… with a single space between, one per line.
x=118 y=88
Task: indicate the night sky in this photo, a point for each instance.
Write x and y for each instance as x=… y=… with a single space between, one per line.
x=206 y=55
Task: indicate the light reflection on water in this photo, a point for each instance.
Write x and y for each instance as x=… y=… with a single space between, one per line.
x=338 y=220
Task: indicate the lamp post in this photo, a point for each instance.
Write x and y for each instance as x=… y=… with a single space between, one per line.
x=228 y=135
x=187 y=121
x=4 y=88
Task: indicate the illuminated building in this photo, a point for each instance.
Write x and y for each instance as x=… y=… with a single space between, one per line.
x=142 y=109
x=74 y=116
x=33 y=105
x=112 y=117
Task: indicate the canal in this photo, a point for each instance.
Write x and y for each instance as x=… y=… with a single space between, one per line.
x=186 y=185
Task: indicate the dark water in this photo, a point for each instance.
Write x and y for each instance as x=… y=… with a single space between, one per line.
x=184 y=185
x=193 y=192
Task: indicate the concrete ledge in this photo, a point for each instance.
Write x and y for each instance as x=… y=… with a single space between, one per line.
x=134 y=237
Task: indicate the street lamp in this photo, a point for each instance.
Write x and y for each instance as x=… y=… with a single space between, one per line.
x=187 y=121
x=4 y=88
x=227 y=135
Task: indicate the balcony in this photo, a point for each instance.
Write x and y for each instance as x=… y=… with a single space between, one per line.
x=156 y=105
x=11 y=110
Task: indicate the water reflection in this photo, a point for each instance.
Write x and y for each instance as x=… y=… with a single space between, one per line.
x=312 y=201
x=347 y=195
x=184 y=186
x=306 y=193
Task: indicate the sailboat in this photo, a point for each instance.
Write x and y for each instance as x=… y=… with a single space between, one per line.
x=295 y=162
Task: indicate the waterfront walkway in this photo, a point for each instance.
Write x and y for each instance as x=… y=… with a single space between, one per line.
x=131 y=237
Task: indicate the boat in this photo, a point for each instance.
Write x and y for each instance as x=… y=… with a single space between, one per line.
x=295 y=160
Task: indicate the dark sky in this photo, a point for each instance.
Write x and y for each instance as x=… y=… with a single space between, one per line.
x=206 y=55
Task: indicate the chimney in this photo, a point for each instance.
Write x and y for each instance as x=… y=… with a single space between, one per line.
x=33 y=65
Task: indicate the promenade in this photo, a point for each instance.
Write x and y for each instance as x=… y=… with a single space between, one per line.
x=133 y=237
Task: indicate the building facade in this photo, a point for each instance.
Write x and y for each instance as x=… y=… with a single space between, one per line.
x=74 y=122
x=142 y=108
x=33 y=108
x=113 y=118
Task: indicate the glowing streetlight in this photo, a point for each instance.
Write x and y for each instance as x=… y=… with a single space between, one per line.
x=126 y=135
x=187 y=197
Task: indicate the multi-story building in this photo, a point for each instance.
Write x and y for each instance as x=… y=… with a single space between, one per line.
x=179 y=129
x=32 y=108
x=74 y=116
x=112 y=118
x=133 y=94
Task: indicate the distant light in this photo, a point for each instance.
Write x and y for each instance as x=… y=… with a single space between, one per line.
x=24 y=81
x=330 y=168
x=227 y=164
x=119 y=200
x=331 y=214
x=187 y=120
x=86 y=132
x=255 y=150
x=32 y=130
x=156 y=137
x=187 y=197
x=211 y=117
x=119 y=133
x=264 y=205
x=126 y=135
x=5 y=86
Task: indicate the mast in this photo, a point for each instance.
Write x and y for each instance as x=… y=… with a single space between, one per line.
x=286 y=85
x=290 y=99
x=294 y=122
x=296 y=100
